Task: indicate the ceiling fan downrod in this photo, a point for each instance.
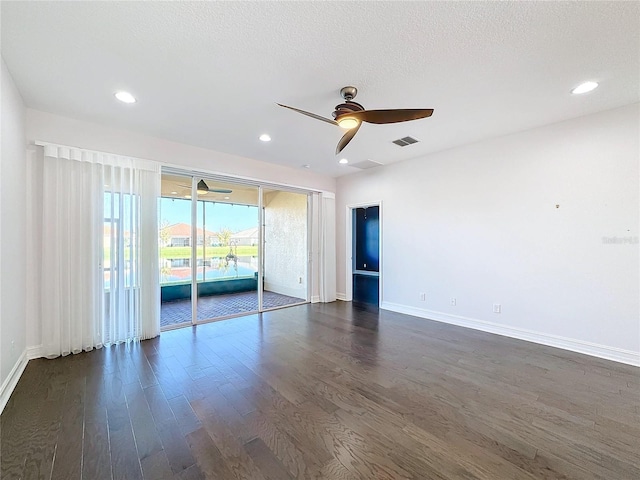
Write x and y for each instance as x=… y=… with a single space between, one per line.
x=348 y=93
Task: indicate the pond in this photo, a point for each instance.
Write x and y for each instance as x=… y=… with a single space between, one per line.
x=210 y=273
x=178 y=271
x=215 y=268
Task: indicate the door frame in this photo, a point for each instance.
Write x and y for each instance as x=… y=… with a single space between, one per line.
x=194 y=176
x=349 y=248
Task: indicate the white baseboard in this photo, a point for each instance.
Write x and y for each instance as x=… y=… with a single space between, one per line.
x=298 y=292
x=341 y=296
x=34 y=352
x=12 y=380
x=315 y=299
x=601 y=351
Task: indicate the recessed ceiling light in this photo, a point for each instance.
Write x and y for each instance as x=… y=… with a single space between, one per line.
x=343 y=161
x=306 y=166
x=187 y=196
x=265 y=138
x=584 y=88
x=174 y=193
x=226 y=198
x=125 y=97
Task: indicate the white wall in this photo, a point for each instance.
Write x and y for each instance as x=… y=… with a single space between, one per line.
x=285 y=257
x=66 y=131
x=480 y=223
x=12 y=236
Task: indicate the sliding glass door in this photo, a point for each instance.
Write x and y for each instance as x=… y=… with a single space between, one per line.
x=227 y=254
x=229 y=248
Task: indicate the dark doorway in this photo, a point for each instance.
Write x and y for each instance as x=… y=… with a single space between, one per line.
x=366 y=254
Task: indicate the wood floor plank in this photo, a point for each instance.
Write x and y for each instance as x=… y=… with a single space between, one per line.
x=96 y=454
x=42 y=445
x=156 y=467
x=185 y=416
x=299 y=461
x=144 y=427
x=207 y=455
x=68 y=456
x=266 y=461
x=192 y=473
x=124 y=455
x=175 y=446
x=236 y=459
x=19 y=417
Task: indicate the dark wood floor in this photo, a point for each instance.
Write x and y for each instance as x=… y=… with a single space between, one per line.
x=324 y=391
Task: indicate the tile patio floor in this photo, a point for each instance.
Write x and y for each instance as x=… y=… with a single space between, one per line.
x=179 y=311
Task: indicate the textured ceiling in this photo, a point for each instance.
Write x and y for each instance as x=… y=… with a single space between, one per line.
x=210 y=73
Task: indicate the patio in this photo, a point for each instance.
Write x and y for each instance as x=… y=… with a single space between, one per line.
x=179 y=311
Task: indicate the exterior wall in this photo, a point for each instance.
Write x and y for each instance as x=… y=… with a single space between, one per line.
x=285 y=257
x=543 y=222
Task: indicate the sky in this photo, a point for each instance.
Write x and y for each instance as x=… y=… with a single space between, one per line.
x=217 y=215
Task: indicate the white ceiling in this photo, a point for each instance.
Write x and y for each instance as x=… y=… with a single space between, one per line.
x=210 y=73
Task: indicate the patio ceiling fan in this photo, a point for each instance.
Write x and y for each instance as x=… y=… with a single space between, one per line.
x=203 y=188
x=350 y=115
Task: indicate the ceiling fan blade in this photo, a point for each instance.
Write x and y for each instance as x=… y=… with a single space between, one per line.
x=309 y=114
x=392 y=116
x=212 y=190
x=347 y=138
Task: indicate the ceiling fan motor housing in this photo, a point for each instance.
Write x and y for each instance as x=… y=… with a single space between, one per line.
x=348 y=107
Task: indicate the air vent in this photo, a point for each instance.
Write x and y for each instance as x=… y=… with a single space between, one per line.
x=403 y=142
x=365 y=164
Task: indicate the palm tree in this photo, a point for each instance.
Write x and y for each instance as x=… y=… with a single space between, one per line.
x=224 y=235
x=164 y=233
x=165 y=236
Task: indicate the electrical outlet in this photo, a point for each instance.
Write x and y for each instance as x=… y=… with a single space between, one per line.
x=423 y=296
x=497 y=308
x=452 y=302
x=13 y=344
x=299 y=279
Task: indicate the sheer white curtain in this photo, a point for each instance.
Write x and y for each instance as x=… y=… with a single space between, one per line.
x=99 y=280
x=327 y=246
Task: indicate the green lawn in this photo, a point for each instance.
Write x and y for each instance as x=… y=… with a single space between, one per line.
x=185 y=252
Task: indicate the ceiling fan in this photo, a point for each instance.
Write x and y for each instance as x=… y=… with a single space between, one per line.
x=202 y=188
x=350 y=115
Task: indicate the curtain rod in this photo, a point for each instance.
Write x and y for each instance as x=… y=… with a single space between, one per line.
x=41 y=143
x=178 y=170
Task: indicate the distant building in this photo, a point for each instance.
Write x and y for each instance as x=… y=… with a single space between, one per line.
x=107 y=236
x=179 y=235
x=246 y=237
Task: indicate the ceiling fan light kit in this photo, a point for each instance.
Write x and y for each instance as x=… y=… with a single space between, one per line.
x=350 y=115
x=348 y=123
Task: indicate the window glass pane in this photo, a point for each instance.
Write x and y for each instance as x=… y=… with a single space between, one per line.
x=227 y=222
x=174 y=231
